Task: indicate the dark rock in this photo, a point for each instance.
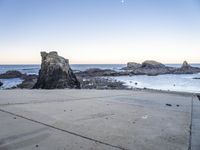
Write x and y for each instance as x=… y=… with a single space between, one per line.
x=185 y=65
x=11 y=74
x=169 y=105
x=196 y=78
x=55 y=73
x=1 y=83
x=100 y=83
x=153 y=68
x=198 y=96
x=29 y=82
x=186 y=69
x=94 y=72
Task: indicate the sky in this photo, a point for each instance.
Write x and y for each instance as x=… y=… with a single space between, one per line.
x=100 y=31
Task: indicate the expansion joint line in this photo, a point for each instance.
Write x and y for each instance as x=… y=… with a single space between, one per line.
x=63 y=130
x=190 y=137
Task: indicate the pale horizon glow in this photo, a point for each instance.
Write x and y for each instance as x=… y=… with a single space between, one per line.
x=100 y=31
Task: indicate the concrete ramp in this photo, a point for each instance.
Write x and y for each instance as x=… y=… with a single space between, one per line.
x=98 y=120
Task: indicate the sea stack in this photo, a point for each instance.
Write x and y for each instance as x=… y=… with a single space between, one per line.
x=185 y=65
x=186 y=68
x=55 y=73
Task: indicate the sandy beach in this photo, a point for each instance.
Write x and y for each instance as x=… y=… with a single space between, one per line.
x=98 y=119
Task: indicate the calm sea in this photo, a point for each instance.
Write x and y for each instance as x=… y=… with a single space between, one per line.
x=184 y=83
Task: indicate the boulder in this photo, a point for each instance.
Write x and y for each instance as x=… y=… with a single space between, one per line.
x=11 y=74
x=29 y=82
x=152 y=64
x=55 y=73
x=1 y=83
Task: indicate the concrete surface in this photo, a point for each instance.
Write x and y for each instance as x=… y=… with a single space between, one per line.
x=98 y=120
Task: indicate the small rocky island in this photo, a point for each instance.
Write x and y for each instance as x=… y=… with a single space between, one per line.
x=149 y=67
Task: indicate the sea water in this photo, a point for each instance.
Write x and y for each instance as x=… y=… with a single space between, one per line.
x=183 y=82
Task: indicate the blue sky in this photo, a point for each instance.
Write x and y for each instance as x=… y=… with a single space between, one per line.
x=100 y=31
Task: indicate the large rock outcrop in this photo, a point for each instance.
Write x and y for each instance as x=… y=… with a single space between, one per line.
x=55 y=73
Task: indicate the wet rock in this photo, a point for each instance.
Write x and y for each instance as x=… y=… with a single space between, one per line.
x=55 y=73
x=198 y=96
x=11 y=74
x=95 y=72
x=1 y=83
x=29 y=82
x=100 y=83
x=169 y=105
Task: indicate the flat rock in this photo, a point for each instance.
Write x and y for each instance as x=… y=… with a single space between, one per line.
x=11 y=74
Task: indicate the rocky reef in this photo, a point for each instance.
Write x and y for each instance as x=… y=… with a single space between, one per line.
x=156 y=68
x=11 y=74
x=55 y=73
x=148 y=67
x=186 y=69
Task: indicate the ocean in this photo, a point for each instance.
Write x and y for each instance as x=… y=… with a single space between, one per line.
x=183 y=82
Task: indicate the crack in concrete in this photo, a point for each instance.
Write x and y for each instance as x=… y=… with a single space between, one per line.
x=190 y=137
x=63 y=130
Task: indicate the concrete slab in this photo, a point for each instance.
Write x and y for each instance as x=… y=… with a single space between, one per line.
x=114 y=119
x=195 y=128
x=18 y=133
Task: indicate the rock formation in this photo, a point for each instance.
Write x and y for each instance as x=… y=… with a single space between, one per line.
x=28 y=82
x=11 y=74
x=133 y=65
x=1 y=83
x=152 y=64
x=185 y=65
x=186 y=69
x=55 y=73
x=151 y=67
